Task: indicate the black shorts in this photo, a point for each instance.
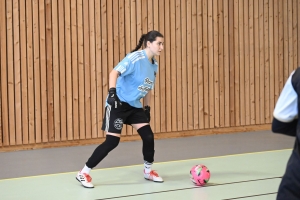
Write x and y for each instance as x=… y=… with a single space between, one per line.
x=114 y=118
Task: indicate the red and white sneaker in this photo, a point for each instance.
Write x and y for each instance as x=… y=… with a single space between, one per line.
x=85 y=180
x=153 y=176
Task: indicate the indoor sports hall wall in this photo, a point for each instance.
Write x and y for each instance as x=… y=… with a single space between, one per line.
x=222 y=69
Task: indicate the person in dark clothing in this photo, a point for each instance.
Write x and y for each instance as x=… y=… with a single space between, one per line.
x=285 y=121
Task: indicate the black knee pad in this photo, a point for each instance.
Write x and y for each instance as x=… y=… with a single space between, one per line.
x=148 y=143
x=102 y=150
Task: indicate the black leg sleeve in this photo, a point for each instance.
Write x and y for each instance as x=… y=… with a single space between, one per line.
x=102 y=150
x=148 y=143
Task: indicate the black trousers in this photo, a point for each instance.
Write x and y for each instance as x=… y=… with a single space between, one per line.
x=289 y=188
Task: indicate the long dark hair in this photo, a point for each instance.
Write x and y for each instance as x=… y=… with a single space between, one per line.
x=150 y=36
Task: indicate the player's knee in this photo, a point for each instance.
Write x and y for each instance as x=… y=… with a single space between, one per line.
x=146 y=134
x=111 y=142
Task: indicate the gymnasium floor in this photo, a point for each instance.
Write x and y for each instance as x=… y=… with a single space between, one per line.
x=243 y=166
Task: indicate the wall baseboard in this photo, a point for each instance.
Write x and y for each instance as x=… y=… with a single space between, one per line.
x=177 y=134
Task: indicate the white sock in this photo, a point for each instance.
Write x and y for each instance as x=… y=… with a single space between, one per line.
x=86 y=170
x=147 y=167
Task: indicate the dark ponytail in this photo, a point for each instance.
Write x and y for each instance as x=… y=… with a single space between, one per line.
x=139 y=45
x=150 y=36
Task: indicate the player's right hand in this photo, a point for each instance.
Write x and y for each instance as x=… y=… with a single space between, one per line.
x=112 y=98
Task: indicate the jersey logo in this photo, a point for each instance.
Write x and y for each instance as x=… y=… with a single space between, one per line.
x=118 y=124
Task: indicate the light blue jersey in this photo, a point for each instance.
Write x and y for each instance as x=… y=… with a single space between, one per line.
x=137 y=77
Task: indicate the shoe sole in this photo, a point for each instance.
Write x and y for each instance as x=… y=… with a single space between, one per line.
x=154 y=181
x=82 y=184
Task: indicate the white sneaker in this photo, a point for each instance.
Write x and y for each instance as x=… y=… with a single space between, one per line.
x=153 y=176
x=85 y=180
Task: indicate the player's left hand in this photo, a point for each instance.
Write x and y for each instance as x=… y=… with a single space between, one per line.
x=147 y=112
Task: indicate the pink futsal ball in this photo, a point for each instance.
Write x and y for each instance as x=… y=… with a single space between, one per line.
x=200 y=174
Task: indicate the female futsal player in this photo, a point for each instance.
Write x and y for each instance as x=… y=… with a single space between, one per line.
x=129 y=82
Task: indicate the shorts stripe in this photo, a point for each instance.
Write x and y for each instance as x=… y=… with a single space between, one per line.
x=108 y=109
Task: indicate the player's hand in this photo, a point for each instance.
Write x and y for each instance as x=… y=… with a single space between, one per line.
x=147 y=112
x=113 y=99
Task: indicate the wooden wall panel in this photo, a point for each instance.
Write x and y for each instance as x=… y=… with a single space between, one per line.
x=223 y=66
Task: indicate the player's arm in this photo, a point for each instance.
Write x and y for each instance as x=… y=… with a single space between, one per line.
x=287 y=128
x=113 y=98
x=113 y=76
x=286 y=112
x=147 y=99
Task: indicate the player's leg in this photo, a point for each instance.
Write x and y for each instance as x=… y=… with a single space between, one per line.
x=139 y=122
x=112 y=125
x=290 y=184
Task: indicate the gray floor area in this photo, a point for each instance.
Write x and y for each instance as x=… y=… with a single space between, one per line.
x=71 y=159
x=254 y=176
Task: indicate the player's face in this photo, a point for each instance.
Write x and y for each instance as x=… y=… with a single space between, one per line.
x=156 y=46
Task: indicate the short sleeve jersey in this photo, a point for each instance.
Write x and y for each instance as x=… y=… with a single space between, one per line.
x=286 y=109
x=137 y=77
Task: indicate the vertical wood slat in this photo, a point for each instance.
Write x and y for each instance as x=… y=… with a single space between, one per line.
x=4 y=90
x=221 y=67
x=295 y=36
x=231 y=63
x=62 y=70
x=68 y=70
x=10 y=73
x=236 y=63
x=285 y=41
x=87 y=68
x=75 y=86
x=257 y=59
x=30 y=73
x=24 y=89
x=43 y=70
x=190 y=65
x=168 y=66
x=17 y=72
x=276 y=50
x=247 y=67
x=81 y=71
x=173 y=71
x=241 y=62
x=205 y=63
x=280 y=43
x=162 y=69
x=290 y=37
x=50 y=105
x=179 y=67
x=56 y=78
x=210 y=63
x=184 y=64
x=266 y=67
x=252 y=61
x=104 y=51
x=200 y=63
x=226 y=64
x=195 y=101
x=261 y=62
x=99 y=74
x=93 y=80
x=215 y=77
x=37 y=77
x=271 y=61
